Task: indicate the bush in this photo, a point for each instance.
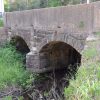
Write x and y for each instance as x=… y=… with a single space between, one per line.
x=87 y=84
x=12 y=70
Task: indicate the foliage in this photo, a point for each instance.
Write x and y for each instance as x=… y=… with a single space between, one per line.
x=7 y=98
x=18 y=5
x=1 y=22
x=12 y=70
x=6 y=5
x=89 y=54
x=54 y=3
x=87 y=84
x=31 y=4
x=81 y=24
x=97 y=33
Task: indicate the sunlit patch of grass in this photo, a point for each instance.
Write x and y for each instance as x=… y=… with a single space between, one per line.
x=90 y=53
x=10 y=98
x=87 y=84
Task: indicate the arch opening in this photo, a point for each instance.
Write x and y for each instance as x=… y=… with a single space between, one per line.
x=60 y=56
x=61 y=62
x=20 y=46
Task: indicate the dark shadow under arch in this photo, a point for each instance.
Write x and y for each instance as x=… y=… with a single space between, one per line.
x=63 y=61
x=59 y=55
x=20 y=44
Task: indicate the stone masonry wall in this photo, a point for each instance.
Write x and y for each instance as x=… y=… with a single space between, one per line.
x=42 y=37
x=75 y=18
x=96 y=24
x=3 y=35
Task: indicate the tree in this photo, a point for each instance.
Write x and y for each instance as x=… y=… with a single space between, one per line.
x=6 y=5
x=34 y=4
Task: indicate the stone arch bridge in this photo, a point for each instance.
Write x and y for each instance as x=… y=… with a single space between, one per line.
x=51 y=35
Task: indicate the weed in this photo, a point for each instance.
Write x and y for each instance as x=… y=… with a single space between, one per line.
x=12 y=70
x=81 y=24
x=87 y=84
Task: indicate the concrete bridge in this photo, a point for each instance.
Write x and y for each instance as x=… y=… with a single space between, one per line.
x=51 y=36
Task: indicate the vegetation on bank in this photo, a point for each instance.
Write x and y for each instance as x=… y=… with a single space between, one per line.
x=87 y=83
x=1 y=22
x=12 y=70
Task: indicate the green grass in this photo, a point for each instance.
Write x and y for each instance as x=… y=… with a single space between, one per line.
x=7 y=98
x=1 y=22
x=12 y=71
x=87 y=83
x=97 y=33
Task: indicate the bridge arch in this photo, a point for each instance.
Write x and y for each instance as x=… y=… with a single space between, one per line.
x=20 y=44
x=59 y=55
x=75 y=40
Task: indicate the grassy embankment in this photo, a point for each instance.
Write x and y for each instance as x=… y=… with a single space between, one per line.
x=87 y=83
x=12 y=71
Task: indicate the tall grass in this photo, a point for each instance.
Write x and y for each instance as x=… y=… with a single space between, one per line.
x=87 y=83
x=12 y=70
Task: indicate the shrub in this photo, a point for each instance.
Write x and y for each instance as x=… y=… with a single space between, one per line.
x=12 y=70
